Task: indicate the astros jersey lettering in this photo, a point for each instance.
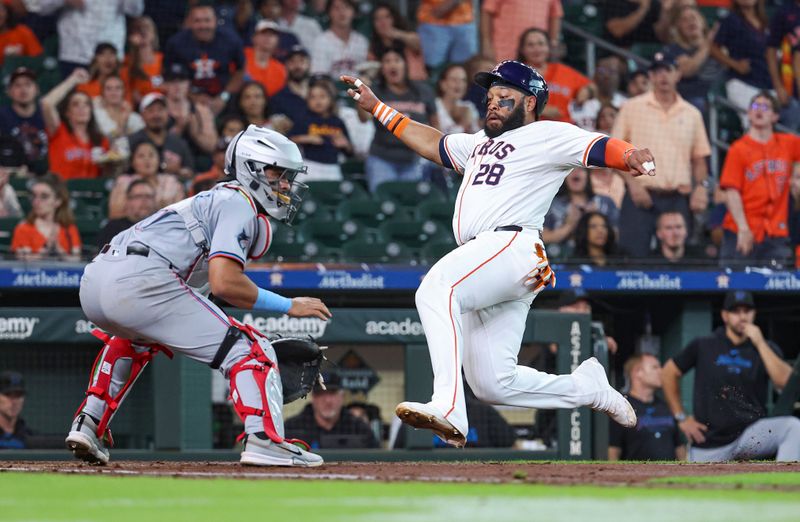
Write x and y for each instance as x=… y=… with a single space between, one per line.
x=512 y=179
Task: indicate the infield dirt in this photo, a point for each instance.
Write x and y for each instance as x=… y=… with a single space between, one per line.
x=561 y=473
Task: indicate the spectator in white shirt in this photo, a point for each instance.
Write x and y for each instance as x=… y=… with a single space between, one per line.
x=305 y=28
x=340 y=49
x=82 y=24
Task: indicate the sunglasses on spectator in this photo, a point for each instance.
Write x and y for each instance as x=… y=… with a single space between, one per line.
x=761 y=106
x=44 y=196
x=15 y=394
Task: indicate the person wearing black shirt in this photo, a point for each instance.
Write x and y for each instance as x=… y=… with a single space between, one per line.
x=730 y=391
x=290 y=102
x=672 y=250
x=22 y=118
x=140 y=202
x=13 y=431
x=326 y=424
x=656 y=436
x=635 y=21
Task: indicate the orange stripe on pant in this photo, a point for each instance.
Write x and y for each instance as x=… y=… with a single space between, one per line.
x=453 y=324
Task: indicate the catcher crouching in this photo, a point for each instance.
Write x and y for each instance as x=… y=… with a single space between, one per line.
x=143 y=291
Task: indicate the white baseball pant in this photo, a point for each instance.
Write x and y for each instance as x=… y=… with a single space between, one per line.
x=473 y=305
x=765 y=438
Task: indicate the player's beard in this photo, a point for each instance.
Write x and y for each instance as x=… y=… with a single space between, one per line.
x=515 y=120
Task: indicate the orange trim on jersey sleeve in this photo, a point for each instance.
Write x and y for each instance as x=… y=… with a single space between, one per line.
x=589 y=148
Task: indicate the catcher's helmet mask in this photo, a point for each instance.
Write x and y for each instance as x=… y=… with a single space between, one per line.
x=518 y=76
x=249 y=169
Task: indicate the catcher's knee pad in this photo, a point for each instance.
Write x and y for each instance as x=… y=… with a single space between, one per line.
x=114 y=350
x=260 y=364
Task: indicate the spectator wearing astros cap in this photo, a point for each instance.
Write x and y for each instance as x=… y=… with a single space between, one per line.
x=756 y=177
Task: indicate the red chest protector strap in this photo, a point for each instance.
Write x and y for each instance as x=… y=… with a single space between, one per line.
x=100 y=379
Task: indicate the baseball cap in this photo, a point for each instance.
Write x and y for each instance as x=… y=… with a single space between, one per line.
x=267 y=25
x=151 y=98
x=176 y=71
x=297 y=49
x=20 y=72
x=11 y=382
x=662 y=61
x=572 y=296
x=12 y=154
x=737 y=298
x=333 y=381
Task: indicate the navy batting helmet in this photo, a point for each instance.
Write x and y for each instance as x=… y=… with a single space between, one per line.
x=519 y=76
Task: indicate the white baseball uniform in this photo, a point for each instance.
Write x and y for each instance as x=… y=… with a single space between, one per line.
x=473 y=303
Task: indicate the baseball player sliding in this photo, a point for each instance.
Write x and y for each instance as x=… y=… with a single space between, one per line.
x=474 y=302
x=141 y=289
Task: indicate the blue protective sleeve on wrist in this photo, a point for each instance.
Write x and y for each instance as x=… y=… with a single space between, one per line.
x=272 y=302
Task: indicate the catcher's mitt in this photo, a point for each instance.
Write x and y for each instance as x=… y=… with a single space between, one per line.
x=298 y=362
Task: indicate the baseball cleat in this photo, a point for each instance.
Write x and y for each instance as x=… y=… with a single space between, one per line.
x=84 y=443
x=606 y=398
x=260 y=452
x=423 y=416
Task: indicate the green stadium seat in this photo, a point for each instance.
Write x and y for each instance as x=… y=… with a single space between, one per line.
x=409 y=193
x=435 y=250
x=328 y=234
x=88 y=228
x=435 y=211
x=353 y=168
x=364 y=251
x=89 y=197
x=366 y=212
x=20 y=185
x=7 y=226
x=332 y=193
x=413 y=233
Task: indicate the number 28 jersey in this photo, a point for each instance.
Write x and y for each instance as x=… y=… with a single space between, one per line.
x=513 y=178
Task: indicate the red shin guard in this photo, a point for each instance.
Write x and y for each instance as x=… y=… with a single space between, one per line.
x=100 y=378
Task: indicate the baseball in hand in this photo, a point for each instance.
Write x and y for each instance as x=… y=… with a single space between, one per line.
x=650 y=167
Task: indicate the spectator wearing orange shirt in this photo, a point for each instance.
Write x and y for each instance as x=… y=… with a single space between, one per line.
x=49 y=229
x=76 y=143
x=259 y=64
x=447 y=31
x=563 y=81
x=504 y=21
x=104 y=64
x=756 y=177
x=16 y=39
x=143 y=63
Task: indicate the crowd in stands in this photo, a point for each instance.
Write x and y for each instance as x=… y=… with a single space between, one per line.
x=145 y=96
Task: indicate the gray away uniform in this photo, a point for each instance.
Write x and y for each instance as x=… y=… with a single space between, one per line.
x=153 y=298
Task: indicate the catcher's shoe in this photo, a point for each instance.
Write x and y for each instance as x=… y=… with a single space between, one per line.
x=261 y=452
x=608 y=400
x=424 y=416
x=84 y=443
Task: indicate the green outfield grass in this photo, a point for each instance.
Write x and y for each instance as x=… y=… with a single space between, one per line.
x=739 y=479
x=48 y=497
